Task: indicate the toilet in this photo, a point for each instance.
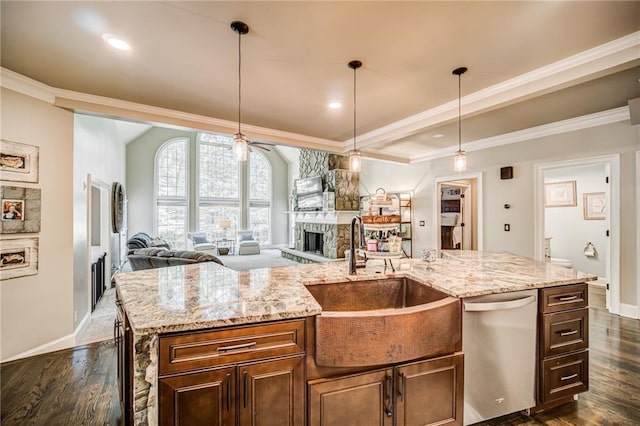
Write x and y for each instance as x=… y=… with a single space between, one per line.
x=565 y=263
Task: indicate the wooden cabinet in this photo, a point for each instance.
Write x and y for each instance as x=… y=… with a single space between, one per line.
x=428 y=392
x=252 y=375
x=123 y=338
x=564 y=342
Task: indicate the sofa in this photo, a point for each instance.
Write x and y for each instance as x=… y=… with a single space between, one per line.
x=143 y=240
x=159 y=257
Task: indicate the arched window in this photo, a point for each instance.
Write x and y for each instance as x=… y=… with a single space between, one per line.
x=171 y=191
x=219 y=187
x=260 y=197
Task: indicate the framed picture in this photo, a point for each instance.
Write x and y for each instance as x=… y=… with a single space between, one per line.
x=595 y=206
x=18 y=258
x=19 y=209
x=18 y=162
x=560 y=194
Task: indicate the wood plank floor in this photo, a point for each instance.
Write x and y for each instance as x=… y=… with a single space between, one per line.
x=79 y=387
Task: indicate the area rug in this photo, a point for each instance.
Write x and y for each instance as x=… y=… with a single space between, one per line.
x=268 y=258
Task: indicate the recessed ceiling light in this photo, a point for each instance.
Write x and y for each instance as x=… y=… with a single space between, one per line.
x=116 y=42
x=335 y=105
x=437 y=136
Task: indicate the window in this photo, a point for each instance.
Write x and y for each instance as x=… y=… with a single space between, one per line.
x=227 y=196
x=259 y=197
x=171 y=192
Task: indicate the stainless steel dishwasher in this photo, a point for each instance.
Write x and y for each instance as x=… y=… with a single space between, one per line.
x=499 y=345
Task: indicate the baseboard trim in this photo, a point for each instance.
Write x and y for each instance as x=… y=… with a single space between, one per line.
x=629 y=311
x=64 y=342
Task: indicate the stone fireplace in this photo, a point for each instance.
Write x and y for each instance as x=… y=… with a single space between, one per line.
x=313 y=242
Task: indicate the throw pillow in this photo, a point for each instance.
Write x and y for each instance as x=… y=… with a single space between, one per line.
x=199 y=239
x=246 y=236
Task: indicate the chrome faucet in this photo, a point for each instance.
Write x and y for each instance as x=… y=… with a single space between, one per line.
x=352 y=245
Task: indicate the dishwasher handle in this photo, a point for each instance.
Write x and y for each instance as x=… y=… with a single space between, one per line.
x=498 y=306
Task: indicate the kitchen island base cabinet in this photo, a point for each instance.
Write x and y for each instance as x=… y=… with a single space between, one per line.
x=260 y=393
x=427 y=392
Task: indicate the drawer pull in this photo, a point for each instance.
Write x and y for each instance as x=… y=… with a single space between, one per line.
x=567 y=298
x=236 y=347
x=568 y=333
x=572 y=376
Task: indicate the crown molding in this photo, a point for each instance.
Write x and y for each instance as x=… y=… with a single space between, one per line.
x=560 y=73
x=584 y=122
x=19 y=83
x=116 y=108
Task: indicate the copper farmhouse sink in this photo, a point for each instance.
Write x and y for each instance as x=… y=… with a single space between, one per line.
x=384 y=321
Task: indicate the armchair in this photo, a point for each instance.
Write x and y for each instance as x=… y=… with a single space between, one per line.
x=247 y=244
x=198 y=242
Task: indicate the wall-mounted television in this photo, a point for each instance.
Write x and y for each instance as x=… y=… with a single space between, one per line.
x=309 y=193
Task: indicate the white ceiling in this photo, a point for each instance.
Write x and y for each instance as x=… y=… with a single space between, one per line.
x=530 y=63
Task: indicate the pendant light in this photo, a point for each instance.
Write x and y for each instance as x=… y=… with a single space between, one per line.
x=240 y=144
x=355 y=157
x=460 y=159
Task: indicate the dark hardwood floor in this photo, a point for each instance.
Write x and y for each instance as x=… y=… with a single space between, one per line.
x=79 y=387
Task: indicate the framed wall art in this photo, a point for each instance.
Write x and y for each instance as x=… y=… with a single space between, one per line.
x=20 y=209
x=595 y=206
x=18 y=258
x=18 y=162
x=560 y=194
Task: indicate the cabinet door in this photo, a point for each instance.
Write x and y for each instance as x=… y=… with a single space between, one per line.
x=430 y=392
x=205 y=398
x=272 y=392
x=359 y=400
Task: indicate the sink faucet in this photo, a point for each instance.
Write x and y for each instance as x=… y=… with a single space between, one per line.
x=352 y=245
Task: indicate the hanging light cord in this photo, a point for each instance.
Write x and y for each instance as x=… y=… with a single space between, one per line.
x=239 y=79
x=459 y=126
x=354 y=109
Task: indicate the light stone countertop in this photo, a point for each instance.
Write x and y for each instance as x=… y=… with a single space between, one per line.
x=207 y=295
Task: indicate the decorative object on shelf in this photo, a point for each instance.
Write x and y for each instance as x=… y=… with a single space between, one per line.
x=18 y=162
x=560 y=194
x=328 y=201
x=355 y=156
x=381 y=219
x=460 y=159
x=18 y=258
x=20 y=209
x=241 y=145
x=595 y=206
x=117 y=207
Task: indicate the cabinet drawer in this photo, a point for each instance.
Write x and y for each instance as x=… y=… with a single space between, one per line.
x=563 y=298
x=195 y=350
x=565 y=332
x=565 y=375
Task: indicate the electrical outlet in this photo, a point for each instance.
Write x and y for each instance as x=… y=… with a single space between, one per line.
x=507 y=227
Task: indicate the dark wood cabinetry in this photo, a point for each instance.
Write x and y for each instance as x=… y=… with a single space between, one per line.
x=428 y=392
x=123 y=338
x=564 y=341
x=252 y=375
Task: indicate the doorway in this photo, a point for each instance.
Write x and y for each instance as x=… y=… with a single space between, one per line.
x=458 y=212
x=585 y=241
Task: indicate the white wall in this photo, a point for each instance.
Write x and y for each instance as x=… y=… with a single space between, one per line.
x=569 y=230
x=96 y=151
x=618 y=138
x=140 y=182
x=38 y=309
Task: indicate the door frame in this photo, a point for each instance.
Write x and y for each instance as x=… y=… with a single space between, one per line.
x=105 y=189
x=638 y=234
x=438 y=199
x=612 y=168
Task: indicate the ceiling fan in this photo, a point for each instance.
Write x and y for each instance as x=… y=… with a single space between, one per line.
x=241 y=145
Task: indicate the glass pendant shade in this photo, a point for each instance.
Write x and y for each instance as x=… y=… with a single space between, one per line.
x=240 y=146
x=355 y=161
x=460 y=161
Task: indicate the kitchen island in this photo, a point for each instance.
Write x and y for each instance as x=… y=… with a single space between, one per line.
x=207 y=296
